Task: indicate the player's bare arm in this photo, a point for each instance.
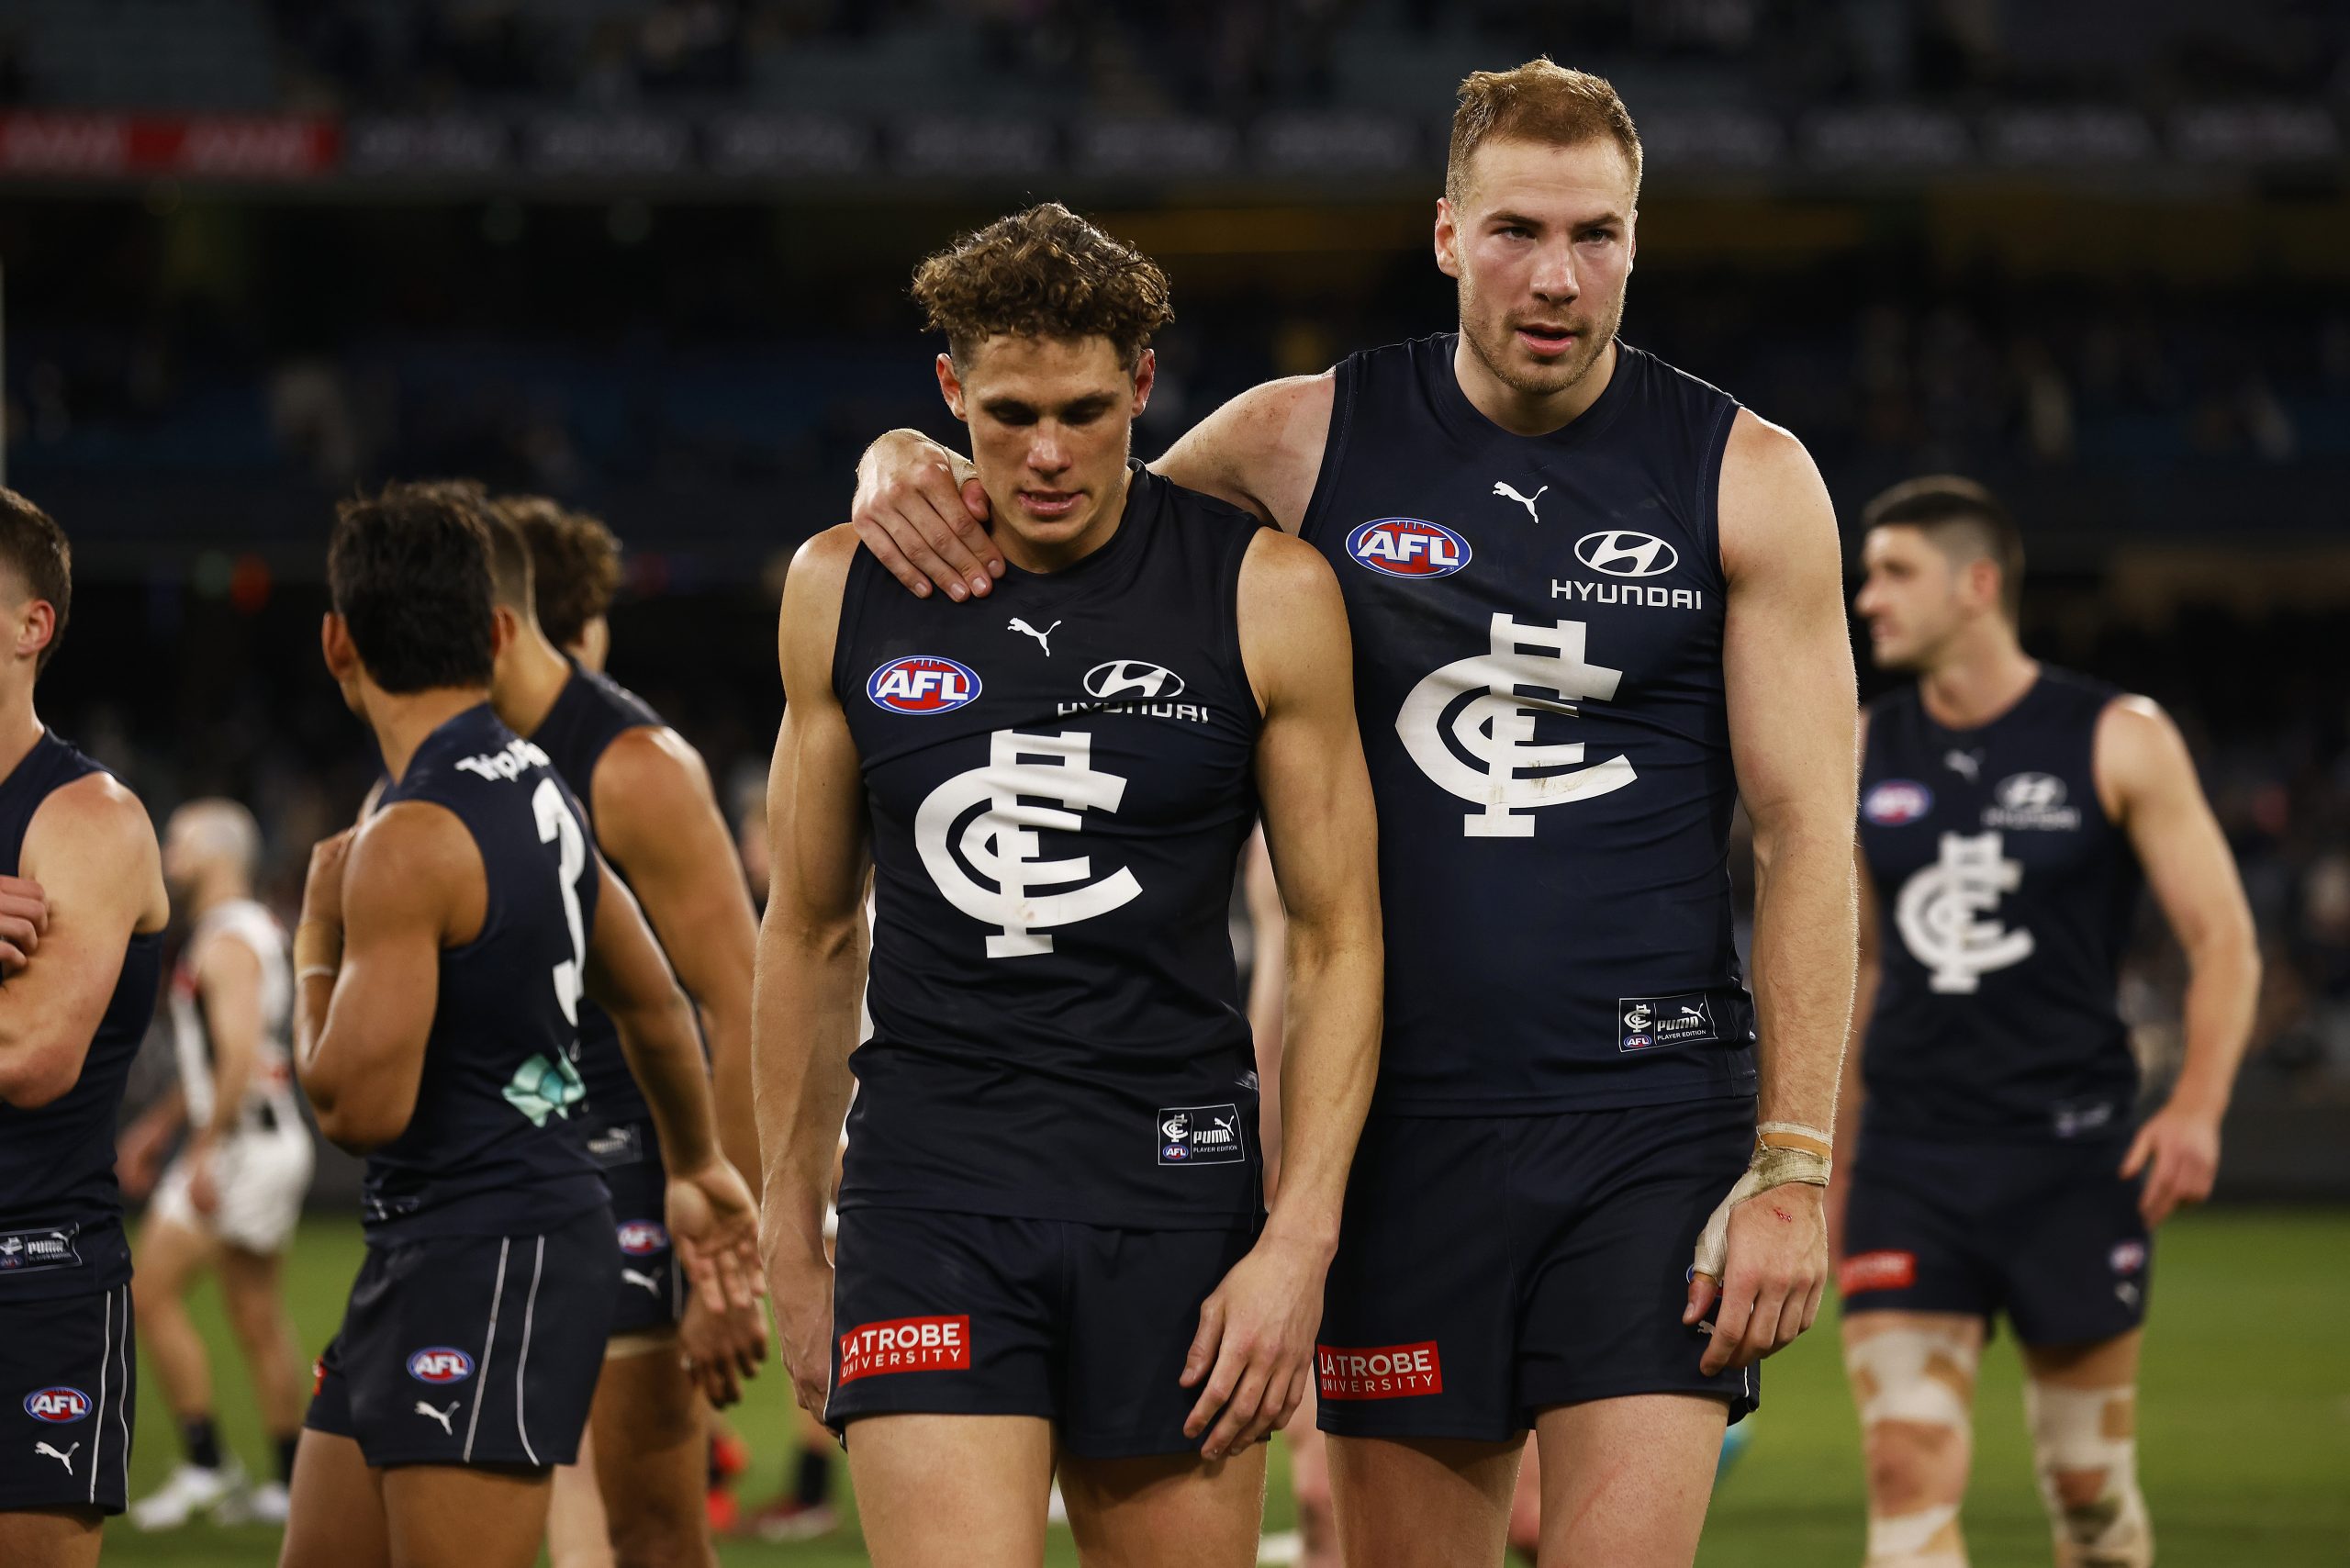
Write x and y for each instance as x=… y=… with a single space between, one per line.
x=657 y=821
x=710 y=1210
x=92 y=852
x=2147 y=782
x=1254 y=1345
x=811 y=962
x=228 y=980
x=1787 y=671
x=922 y=512
x=24 y=912
x=1868 y=972
x=380 y=902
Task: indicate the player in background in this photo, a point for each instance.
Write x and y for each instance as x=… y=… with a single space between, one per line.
x=476 y=1331
x=1595 y=603
x=651 y=812
x=577 y=562
x=1050 y=1253
x=231 y=1200
x=2009 y=814
x=82 y=916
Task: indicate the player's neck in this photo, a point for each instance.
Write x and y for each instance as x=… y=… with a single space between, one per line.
x=1527 y=413
x=1979 y=683
x=20 y=727
x=214 y=890
x=402 y=722
x=527 y=691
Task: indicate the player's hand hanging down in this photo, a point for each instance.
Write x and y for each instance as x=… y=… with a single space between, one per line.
x=1255 y=1347
x=802 y=1280
x=716 y=1226
x=721 y=1348
x=2179 y=1150
x=1763 y=1255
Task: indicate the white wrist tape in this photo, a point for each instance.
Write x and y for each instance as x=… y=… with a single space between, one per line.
x=1784 y=1152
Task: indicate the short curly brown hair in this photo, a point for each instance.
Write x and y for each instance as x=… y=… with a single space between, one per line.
x=1042 y=273
x=575 y=564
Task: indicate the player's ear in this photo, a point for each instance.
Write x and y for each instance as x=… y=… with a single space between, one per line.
x=36 y=625
x=1447 y=237
x=502 y=624
x=951 y=386
x=335 y=642
x=1146 y=375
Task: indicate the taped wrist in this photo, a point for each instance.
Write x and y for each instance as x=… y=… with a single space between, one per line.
x=318 y=945
x=1785 y=1152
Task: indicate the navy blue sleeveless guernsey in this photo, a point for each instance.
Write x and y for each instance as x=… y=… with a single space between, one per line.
x=1537 y=631
x=1059 y=783
x=60 y=1213
x=489 y=1149
x=2004 y=898
x=588 y=715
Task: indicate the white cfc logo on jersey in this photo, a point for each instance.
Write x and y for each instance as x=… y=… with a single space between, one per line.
x=1938 y=908
x=1510 y=774
x=999 y=844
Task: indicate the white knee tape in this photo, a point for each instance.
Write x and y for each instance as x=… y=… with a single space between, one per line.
x=1927 y=1538
x=1908 y=1374
x=2085 y=1444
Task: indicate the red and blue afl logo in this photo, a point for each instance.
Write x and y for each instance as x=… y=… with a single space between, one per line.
x=922 y=684
x=58 y=1404
x=640 y=1236
x=440 y=1364
x=1408 y=547
x=1895 y=802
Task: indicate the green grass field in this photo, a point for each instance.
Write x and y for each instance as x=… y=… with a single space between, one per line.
x=2245 y=1426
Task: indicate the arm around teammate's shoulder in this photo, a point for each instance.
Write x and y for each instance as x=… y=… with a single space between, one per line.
x=93 y=852
x=1252 y=1357
x=1261 y=451
x=398 y=889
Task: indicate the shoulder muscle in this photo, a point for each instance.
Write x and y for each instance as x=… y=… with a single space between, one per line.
x=1261 y=451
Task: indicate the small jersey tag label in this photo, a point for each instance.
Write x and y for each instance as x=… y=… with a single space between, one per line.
x=1651 y=1022
x=1200 y=1135
x=1384 y=1371
x=45 y=1247
x=610 y=1146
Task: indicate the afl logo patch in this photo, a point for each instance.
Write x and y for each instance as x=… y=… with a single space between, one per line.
x=641 y=1236
x=1895 y=802
x=922 y=684
x=1627 y=552
x=57 y=1405
x=440 y=1364
x=1408 y=547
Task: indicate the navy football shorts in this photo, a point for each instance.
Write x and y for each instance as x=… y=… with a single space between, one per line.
x=1492 y=1266
x=649 y=1288
x=472 y=1350
x=971 y=1314
x=67 y=1391
x=2048 y=1233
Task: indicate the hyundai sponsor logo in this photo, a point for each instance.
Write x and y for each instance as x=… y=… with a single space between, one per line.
x=1627 y=552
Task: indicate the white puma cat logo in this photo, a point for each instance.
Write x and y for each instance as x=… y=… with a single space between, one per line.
x=647 y=1281
x=1043 y=637
x=1503 y=488
x=65 y=1459
x=440 y=1416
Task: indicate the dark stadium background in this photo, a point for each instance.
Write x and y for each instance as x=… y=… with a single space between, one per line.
x=649 y=256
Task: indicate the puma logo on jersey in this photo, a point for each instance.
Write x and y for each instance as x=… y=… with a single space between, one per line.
x=993 y=867
x=1044 y=638
x=1503 y=488
x=1937 y=914
x=444 y=1416
x=1470 y=725
x=65 y=1459
x=652 y=1286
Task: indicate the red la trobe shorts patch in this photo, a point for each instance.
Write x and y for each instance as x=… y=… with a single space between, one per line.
x=1387 y=1371
x=905 y=1345
x=1877 y=1272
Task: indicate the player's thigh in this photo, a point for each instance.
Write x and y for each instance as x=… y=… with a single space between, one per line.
x=1422 y=1502
x=1166 y=1510
x=969 y=1490
x=171 y=1253
x=651 y=1434
x=2103 y=1363
x=334 y=1515
x=1599 y=1511
x=251 y=1287
x=51 y=1538
x=446 y=1516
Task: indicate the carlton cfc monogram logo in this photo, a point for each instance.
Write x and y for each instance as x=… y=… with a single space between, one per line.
x=1000 y=845
x=1483 y=750
x=1936 y=913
